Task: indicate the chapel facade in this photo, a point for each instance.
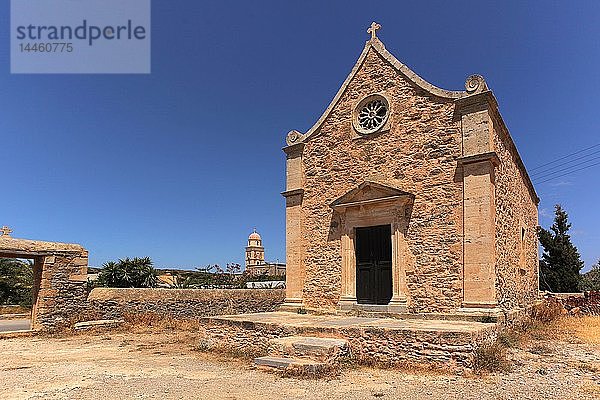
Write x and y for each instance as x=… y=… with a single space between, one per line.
x=404 y=197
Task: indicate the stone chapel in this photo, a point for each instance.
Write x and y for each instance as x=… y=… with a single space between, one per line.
x=404 y=197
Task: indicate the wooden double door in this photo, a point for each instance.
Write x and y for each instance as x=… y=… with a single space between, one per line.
x=373 y=249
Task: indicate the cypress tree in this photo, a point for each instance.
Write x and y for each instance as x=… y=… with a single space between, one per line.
x=561 y=264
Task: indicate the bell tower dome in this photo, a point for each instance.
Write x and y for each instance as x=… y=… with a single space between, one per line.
x=255 y=252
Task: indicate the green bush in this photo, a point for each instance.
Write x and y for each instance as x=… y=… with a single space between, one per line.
x=16 y=282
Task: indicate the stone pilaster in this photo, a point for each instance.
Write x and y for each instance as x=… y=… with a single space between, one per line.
x=398 y=302
x=478 y=165
x=295 y=273
x=348 y=289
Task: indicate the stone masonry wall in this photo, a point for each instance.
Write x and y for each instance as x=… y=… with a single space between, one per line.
x=516 y=237
x=112 y=303
x=62 y=293
x=418 y=155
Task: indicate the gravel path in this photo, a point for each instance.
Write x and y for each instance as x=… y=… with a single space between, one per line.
x=165 y=366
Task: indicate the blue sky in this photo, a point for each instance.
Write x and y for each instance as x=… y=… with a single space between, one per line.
x=181 y=164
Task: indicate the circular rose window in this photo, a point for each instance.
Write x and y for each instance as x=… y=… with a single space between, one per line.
x=371 y=114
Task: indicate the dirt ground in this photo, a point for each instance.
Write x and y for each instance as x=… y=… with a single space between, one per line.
x=141 y=365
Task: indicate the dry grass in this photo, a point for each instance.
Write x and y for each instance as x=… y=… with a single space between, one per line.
x=586 y=329
x=208 y=345
x=509 y=338
x=491 y=357
x=547 y=311
x=588 y=367
x=573 y=329
x=541 y=349
x=549 y=325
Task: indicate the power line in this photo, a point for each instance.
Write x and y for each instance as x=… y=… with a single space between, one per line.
x=567 y=173
x=547 y=173
x=567 y=156
x=566 y=163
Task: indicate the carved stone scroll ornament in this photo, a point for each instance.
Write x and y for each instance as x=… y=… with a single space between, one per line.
x=293 y=137
x=475 y=84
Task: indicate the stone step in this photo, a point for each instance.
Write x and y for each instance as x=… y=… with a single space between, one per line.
x=309 y=346
x=293 y=365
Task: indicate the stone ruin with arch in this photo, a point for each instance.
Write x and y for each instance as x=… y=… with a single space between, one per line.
x=59 y=278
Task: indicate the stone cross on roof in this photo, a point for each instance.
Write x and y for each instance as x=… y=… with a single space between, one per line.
x=5 y=231
x=373 y=29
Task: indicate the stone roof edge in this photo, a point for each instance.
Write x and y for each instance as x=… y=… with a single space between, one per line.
x=295 y=137
x=515 y=153
x=8 y=244
x=413 y=76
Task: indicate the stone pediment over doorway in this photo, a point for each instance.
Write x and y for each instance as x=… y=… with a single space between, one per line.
x=370 y=192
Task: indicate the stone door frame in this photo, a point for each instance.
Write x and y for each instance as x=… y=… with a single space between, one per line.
x=393 y=211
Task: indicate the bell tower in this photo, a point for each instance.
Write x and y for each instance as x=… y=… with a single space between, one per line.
x=255 y=252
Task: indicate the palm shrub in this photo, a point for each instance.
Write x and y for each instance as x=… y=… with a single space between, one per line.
x=128 y=273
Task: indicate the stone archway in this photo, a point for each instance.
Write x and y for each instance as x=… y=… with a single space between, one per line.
x=60 y=278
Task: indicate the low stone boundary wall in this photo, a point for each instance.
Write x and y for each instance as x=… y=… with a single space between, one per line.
x=113 y=303
x=587 y=303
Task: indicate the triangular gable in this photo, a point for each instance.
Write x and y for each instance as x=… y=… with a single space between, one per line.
x=475 y=84
x=368 y=192
x=295 y=137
